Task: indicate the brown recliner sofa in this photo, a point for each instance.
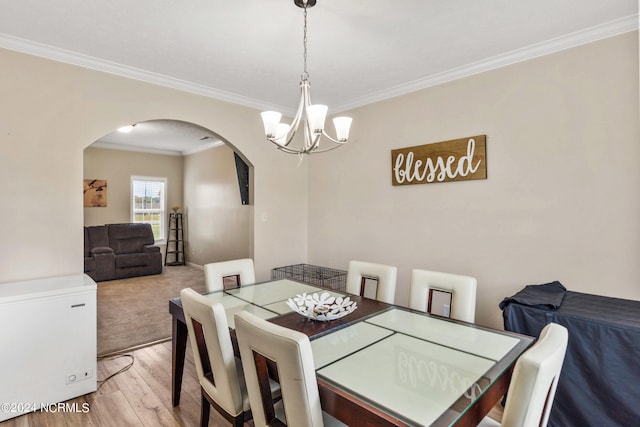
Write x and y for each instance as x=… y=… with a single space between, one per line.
x=118 y=251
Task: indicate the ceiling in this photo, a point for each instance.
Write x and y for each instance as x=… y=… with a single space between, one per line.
x=250 y=51
x=171 y=137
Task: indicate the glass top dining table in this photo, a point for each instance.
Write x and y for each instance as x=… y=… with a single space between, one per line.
x=382 y=364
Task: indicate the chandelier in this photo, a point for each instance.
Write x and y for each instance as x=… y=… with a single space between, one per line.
x=311 y=115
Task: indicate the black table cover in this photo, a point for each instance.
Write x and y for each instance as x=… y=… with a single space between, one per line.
x=600 y=380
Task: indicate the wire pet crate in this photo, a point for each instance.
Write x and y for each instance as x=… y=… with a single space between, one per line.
x=313 y=275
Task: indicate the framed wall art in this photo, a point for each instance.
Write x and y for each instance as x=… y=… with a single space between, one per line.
x=95 y=193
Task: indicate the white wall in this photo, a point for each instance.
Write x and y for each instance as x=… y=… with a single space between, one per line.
x=50 y=111
x=117 y=167
x=218 y=225
x=562 y=198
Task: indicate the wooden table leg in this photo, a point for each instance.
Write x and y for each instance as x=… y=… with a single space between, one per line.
x=179 y=347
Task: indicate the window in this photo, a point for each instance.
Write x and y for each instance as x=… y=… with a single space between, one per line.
x=148 y=201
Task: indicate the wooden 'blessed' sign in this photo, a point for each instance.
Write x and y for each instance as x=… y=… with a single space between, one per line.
x=457 y=160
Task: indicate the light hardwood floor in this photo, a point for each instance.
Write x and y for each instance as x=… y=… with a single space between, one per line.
x=140 y=396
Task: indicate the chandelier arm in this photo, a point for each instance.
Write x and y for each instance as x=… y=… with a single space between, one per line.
x=314 y=138
x=289 y=150
x=273 y=139
x=302 y=109
x=324 y=150
x=306 y=151
x=274 y=142
x=335 y=141
x=293 y=128
x=311 y=140
x=293 y=151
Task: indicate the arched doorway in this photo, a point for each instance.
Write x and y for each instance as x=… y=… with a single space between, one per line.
x=200 y=170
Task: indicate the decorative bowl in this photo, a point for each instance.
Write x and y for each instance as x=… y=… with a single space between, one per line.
x=323 y=307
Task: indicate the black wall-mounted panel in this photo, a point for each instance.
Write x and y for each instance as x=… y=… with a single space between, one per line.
x=243 y=179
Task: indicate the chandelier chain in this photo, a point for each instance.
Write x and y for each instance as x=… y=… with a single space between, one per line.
x=305 y=74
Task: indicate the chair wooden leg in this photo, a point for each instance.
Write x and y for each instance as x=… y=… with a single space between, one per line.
x=205 y=410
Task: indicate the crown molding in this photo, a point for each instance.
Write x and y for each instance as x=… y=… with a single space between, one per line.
x=121 y=147
x=609 y=29
x=62 y=55
x=589 y=35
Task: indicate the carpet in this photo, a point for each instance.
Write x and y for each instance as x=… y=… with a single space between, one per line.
x=135 y=311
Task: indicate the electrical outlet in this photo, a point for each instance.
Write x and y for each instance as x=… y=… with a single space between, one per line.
x=79 y=376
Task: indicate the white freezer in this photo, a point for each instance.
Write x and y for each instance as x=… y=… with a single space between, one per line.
x=48 y=335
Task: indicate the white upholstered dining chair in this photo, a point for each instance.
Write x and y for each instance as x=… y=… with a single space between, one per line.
x=220 y=375
x=534 y=381
x=462 y=288
x=385 y=275
x=241 y=269
x=262 y=342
